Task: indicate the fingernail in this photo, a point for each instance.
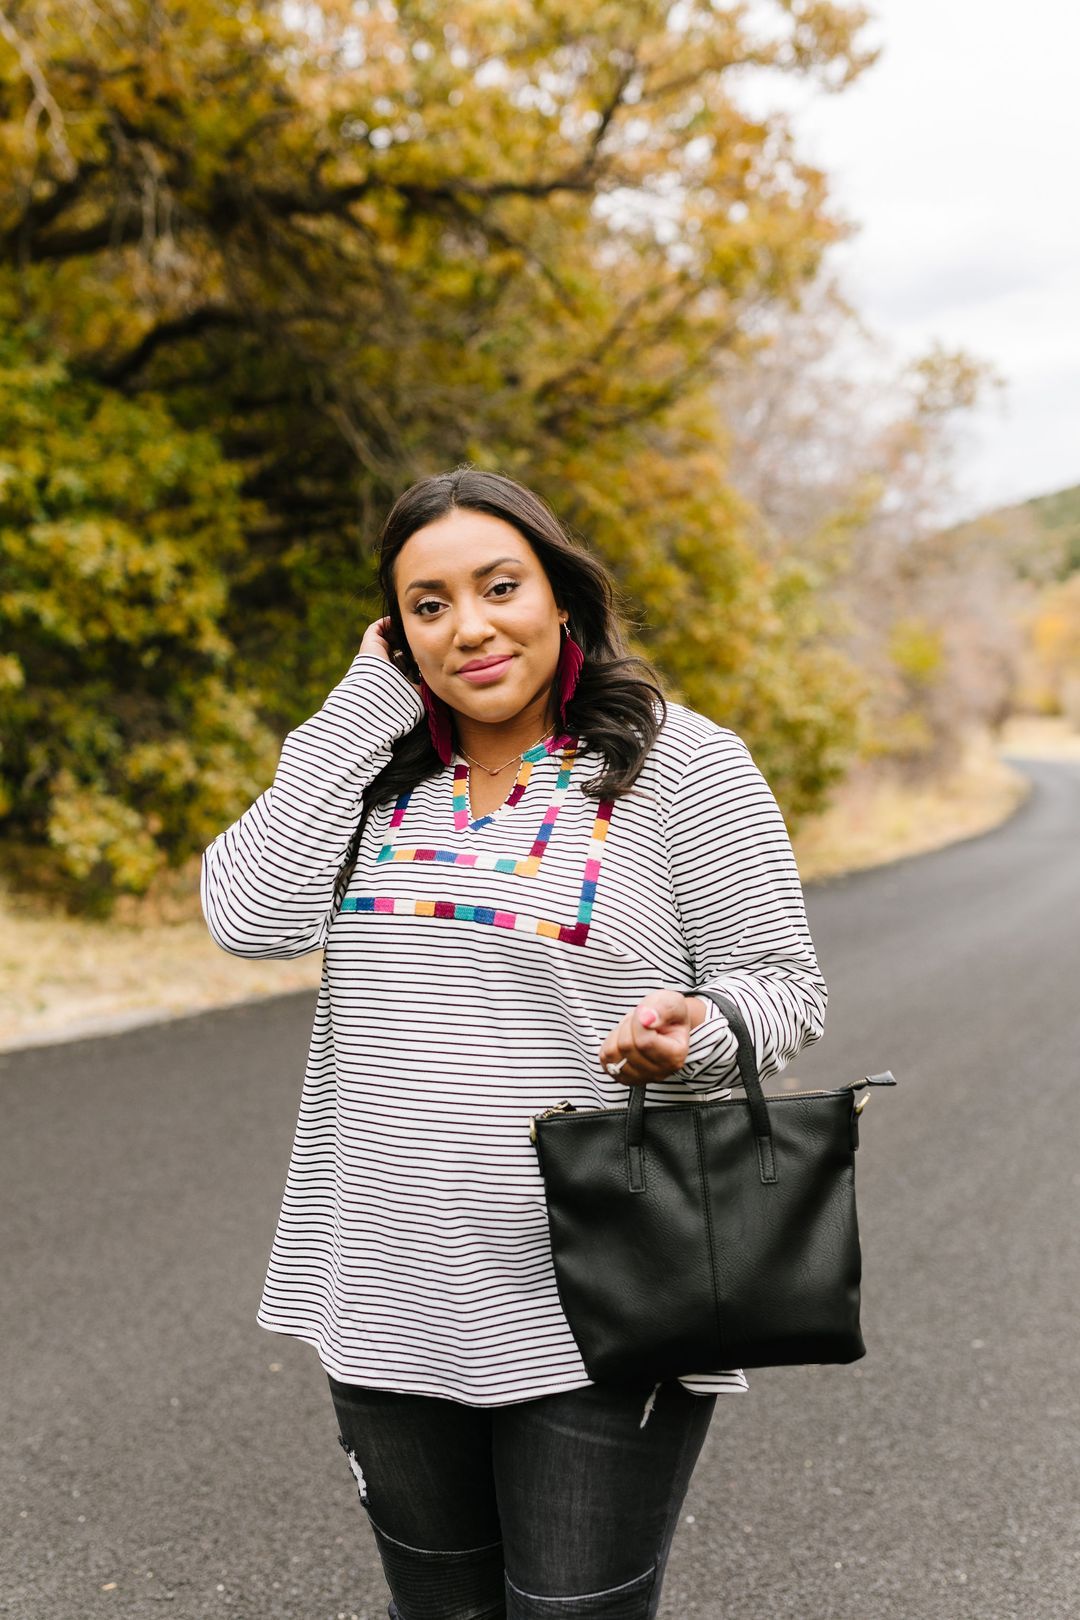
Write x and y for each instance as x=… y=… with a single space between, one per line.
x=648 y=1017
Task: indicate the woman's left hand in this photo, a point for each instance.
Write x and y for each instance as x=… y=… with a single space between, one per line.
x=654 y=1038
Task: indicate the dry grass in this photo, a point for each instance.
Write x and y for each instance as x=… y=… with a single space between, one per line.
x=63 y=977
x=873 y=820
x=1039 y=737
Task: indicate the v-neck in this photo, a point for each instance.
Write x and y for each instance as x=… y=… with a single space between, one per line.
x=463 y=821
x=470 y=900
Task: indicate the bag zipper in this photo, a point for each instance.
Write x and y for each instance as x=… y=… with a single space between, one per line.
x=563 y=1107
x=567 y=1107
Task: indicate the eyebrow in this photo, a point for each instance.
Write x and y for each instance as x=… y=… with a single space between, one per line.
x=477 y=573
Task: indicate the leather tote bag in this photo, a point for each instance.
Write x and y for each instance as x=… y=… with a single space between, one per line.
x=694 y=1236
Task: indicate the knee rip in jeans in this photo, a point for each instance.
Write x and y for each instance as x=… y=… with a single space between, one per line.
x=354 y=1464
x=426 y=1552
x=649 y=1404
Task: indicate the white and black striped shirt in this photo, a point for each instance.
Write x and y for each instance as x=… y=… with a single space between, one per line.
x=469 y=980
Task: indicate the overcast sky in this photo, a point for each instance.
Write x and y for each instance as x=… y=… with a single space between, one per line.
x=959 y=155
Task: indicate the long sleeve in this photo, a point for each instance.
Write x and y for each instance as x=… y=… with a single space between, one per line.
x=267 y=882
x=736 y=886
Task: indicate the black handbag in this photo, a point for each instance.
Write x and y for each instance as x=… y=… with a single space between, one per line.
x=690 y=1237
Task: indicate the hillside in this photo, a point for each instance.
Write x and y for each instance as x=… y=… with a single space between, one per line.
x=1039 y=537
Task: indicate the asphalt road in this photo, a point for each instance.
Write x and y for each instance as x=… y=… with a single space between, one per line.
x=162 y=1455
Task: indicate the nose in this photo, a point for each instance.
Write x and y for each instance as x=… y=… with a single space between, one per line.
x=473 y=626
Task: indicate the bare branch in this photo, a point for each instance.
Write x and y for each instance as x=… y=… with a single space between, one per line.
x=43 y=101
x=182 y=326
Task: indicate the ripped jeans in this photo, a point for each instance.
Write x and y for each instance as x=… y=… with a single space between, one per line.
x=549 y=1509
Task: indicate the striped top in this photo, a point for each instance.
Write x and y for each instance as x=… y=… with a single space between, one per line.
x=469 y=979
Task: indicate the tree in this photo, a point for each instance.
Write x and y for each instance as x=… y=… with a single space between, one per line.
x=846 y=459
x=122 y=740
x=1054 y=627
x=355 y=248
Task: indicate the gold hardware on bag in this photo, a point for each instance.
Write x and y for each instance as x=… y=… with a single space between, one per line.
x=862 y=1102
x=558 y=1108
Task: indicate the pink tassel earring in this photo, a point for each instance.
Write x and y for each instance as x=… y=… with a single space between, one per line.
x=438 y=717
x=567 y=671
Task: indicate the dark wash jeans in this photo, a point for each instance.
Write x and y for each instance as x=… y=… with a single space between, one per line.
x=549 y=1509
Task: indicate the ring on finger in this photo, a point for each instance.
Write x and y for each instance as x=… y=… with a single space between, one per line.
x=614 y=1068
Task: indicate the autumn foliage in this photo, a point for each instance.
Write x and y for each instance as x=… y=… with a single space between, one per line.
x=263 y=266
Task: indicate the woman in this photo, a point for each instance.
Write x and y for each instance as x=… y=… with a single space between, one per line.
x=518 y=860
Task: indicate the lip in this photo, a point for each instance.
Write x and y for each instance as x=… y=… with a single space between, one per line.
x=488 y=669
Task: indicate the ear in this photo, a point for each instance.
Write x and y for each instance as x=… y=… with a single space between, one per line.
x=412 y=668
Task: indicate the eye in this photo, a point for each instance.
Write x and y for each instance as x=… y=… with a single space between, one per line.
x=429 y=601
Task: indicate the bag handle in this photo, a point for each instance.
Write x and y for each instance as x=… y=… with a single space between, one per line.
x=748 y=1072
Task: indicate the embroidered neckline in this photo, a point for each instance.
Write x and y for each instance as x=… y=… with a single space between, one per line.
x=575 y=933
x=525 y=866
x=540 y=750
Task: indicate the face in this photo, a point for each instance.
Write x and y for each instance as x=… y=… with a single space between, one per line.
x=471 y=588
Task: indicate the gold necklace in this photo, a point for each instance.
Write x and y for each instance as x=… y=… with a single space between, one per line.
x=503 y=766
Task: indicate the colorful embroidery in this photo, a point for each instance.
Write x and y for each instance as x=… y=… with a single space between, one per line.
x=462 y=823
x=570 y=934
x=528 y=865
x=461 y=791
x=495 y=916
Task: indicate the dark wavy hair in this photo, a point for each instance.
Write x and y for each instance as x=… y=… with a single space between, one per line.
x=618 y=706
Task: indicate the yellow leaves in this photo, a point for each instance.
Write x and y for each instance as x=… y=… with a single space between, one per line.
x=349 y=250
x=827 y=37
x=12 y=674
x=114 y=525
x=917 y=650
x=1056 y=627
x=170 y=765
x=95 y=834
x=910 y=735
x=98 y=581
x=1054 y=633
x=1053 y=636
x=945 y=380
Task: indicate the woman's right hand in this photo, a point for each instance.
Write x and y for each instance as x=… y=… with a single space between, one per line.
x=376 y=642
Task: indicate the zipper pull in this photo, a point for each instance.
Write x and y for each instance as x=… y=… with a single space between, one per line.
x=885 y=1078
x=563 y=1107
